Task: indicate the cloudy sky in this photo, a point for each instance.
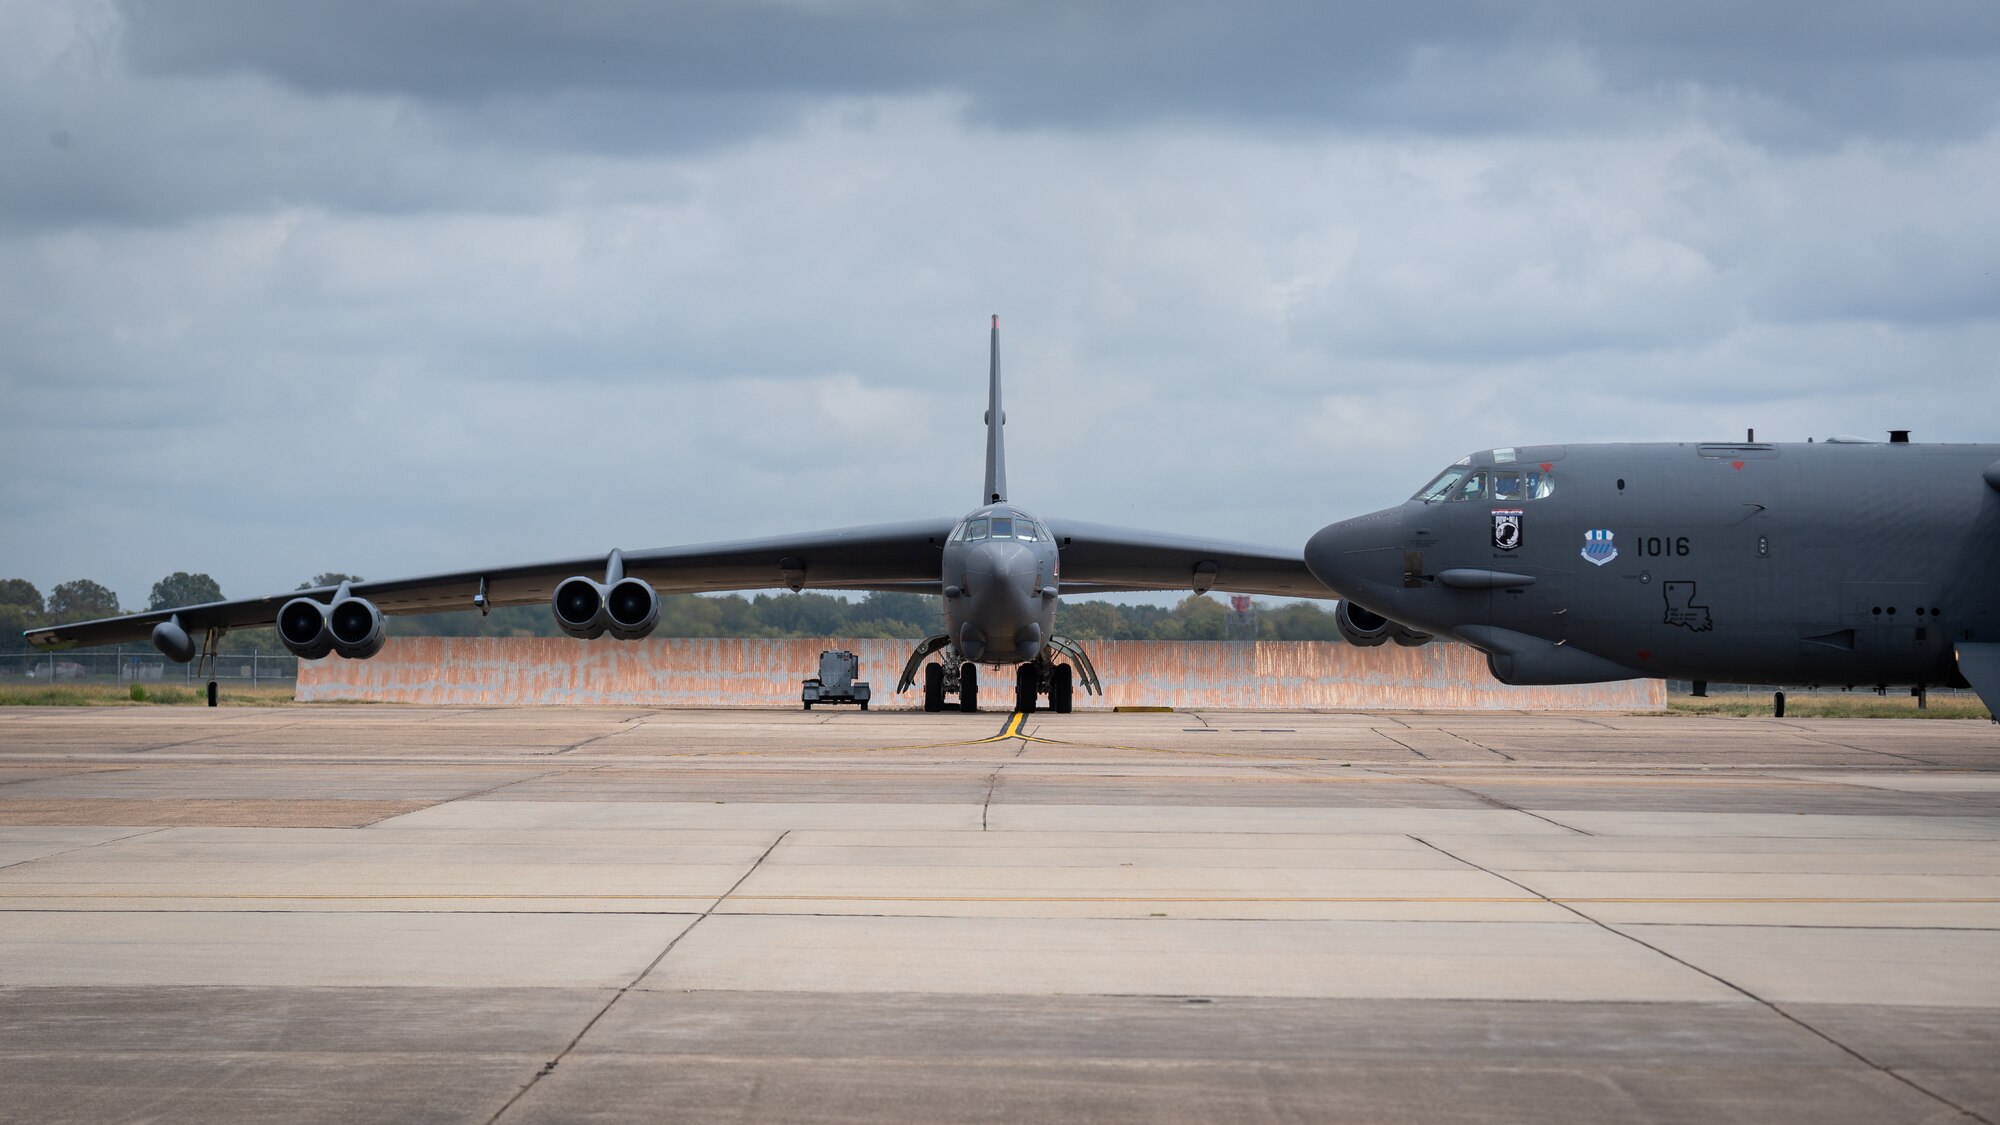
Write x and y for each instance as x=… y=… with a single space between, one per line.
x=391 y=287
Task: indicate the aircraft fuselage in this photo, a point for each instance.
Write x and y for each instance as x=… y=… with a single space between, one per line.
x=1815 y=564
x=1001 y=568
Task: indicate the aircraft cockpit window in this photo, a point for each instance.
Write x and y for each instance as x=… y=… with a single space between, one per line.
x=1003 y=528
x=976 y=529
x=1540 y=486
x=1025 y=529
x=958 y=534
x=1474 y=488
x=1440 y=488
x=1506 y=486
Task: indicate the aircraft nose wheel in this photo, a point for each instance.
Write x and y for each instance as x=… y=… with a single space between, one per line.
x=968 y=688
x=1026 y=681
x=933 y=687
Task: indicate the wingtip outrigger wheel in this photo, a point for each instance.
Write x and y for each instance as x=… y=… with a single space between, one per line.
x=205 y=665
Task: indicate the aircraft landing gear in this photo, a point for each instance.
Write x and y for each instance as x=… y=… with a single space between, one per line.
x=933 y=687
x=958 y=677
x=1058 y=681
x=1062 y=688
x=1027 y=685
x=206 y=662
x=968 y=687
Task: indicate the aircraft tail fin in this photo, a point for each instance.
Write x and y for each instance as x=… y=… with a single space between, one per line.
x=996 y=445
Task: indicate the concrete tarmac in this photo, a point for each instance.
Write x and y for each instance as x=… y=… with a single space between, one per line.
x=399 y=914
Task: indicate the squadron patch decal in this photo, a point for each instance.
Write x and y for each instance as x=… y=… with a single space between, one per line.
x=1681 y=609
x=1598 y=548
x=1506 y=528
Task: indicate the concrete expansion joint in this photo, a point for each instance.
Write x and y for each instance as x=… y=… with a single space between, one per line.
x=1740 y=990
x=86 y=847
x=549 y=1067
x=1495 y=802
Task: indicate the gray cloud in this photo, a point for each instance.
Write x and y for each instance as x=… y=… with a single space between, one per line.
x=1808 y=71
x=400 y=288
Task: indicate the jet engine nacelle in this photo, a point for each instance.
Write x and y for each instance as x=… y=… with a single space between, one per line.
x=358 y=629
x=586 y=609
x=351 y=627
x=1367 y=629
x=1361 y=627
x=1408 y=637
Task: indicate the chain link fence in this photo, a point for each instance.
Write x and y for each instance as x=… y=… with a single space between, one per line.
x=144 y=666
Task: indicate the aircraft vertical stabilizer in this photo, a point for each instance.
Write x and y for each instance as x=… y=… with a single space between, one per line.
x=996 y=445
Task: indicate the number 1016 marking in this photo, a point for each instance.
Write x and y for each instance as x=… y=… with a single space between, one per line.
x=1662 y=546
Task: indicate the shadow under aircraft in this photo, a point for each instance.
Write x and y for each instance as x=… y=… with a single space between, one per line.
x=999 y=569
x=1839 y=563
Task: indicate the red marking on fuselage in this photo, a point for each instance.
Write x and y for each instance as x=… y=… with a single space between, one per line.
x=1736 y=464
x=1546 y=467
x=1645 y=654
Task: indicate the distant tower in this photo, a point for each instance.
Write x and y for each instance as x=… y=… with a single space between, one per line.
x=1241 y=623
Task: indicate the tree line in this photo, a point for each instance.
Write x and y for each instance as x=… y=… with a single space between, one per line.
x=907 y=616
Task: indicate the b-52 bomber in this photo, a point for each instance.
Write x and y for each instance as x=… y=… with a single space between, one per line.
x=999 y=570
x=1838 y=563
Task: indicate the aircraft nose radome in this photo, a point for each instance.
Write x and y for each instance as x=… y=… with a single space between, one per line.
x=1000 y=570
x=1001 y=560
x=1344 y=555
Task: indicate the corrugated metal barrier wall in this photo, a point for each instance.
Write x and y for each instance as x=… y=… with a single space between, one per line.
x=674 y=672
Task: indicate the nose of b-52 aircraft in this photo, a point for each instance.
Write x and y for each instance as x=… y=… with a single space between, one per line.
x=1000 y=579
x=1353 y=556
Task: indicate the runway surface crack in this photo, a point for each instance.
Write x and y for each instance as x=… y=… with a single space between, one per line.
x=1481 y=745
x=549 y=1067
x=1768 y=1005
x=1404 y=745
x=1866 y=750
x=87 y=847
x=211 y=736
x=1497 y=803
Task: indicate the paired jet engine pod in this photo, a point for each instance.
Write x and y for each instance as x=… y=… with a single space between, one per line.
x=1365 y=628
x=628 y=609
x=351 y=627
x=1408 y=637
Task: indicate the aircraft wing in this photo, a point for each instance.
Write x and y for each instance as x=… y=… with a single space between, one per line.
x=1100 y=559
x=888 y=557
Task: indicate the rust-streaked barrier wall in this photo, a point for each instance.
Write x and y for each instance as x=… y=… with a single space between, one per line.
x=677 y=672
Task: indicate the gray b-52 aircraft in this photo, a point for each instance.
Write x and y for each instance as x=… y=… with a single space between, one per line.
x=1845 y=562
x=999 y=570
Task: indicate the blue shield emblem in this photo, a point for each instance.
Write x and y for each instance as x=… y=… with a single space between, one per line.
x=1598 y=548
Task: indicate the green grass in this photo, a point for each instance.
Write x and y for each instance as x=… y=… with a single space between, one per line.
x=1858 y=705
x=113 y=694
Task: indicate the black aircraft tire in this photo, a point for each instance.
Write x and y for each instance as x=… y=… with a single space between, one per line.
x=933 y=687
x=1062 y=689
x=968 y=688
x=1024 y=688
